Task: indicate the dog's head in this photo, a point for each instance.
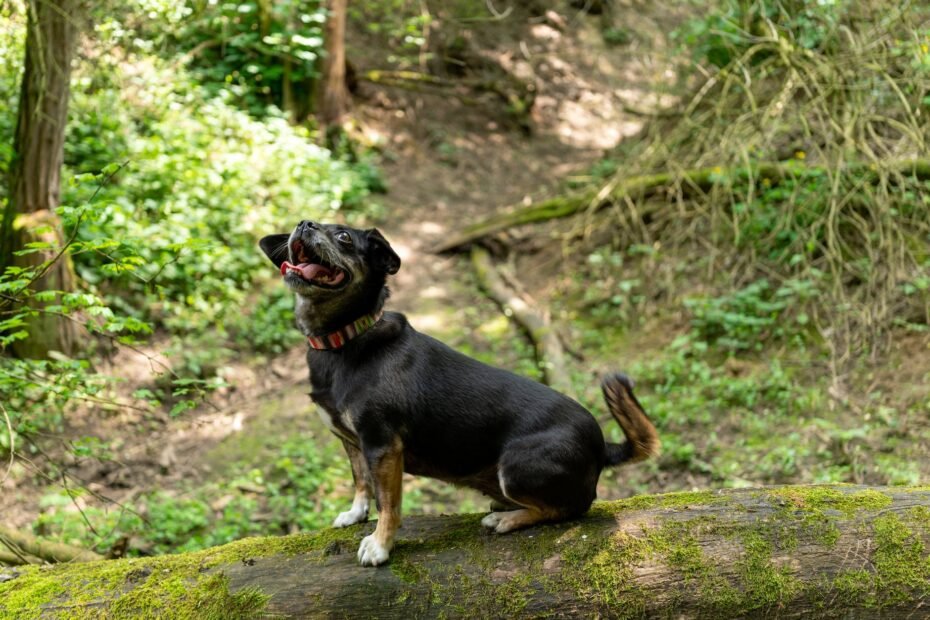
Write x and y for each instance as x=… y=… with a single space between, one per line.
x=338 y=273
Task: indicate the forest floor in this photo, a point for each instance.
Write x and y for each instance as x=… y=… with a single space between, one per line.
x=448 y=162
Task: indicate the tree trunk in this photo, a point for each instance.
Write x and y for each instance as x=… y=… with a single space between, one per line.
x=788 y=552
x=35 y=174
x=332 y=93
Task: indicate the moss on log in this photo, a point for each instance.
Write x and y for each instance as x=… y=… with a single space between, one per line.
x=787 y=552
x=689 y=182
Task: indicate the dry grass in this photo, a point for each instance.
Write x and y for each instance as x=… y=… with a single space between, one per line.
x=846 y=110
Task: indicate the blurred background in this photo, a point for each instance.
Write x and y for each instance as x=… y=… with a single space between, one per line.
x=726 y=199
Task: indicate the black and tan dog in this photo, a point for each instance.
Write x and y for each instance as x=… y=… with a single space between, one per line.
x=401 y=401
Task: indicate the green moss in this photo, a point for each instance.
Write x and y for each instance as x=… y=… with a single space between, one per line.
x=179 y=581
x=901 y=564
x=683 y=499
x=147 y=587
x=27 y=598
x=817 y=508
x=764 y=584
x=920 y=516
x=206 y=597
x=855 y=586
x=819 y=498
x=602 y=571
x=511 y=597
x=407 y=571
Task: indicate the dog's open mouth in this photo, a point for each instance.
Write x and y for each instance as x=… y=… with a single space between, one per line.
x=313 y=269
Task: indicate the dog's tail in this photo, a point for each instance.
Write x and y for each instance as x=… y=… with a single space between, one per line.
x=642 y=440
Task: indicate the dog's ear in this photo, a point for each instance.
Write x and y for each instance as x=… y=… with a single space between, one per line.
x=275 y=247
x=383 y=256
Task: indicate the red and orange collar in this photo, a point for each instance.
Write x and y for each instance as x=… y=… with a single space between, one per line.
x=340 y=337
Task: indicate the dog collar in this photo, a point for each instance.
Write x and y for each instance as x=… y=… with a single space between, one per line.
x=340 y=337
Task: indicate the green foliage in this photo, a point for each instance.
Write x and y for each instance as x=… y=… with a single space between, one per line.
x=751 y=317
x=168 y=186
x=725 y=34
x=302 y=487
x=256 y=50
x=12 y=49
x=784 y=222
x=402 y=23
x=253 y=51
x=270 y=326
x=187 y=224
x=616 y=36
x=37 y=394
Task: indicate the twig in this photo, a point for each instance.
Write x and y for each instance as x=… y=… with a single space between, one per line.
x=9 y=428
x=47 y=265
x=549 y=353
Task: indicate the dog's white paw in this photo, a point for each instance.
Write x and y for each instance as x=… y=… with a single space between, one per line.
x=490 y=521
x=356 y=514
x=371 y=553
x=503 y=522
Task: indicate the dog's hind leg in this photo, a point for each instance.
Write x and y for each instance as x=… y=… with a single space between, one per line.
x=520 y=512
x=503 y=522
x=544 y=486
x=502 y=505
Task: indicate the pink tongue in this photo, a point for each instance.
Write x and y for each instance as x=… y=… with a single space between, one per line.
x=312 y=271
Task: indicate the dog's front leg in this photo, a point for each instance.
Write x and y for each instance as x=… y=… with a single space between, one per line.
x=386 y=464
x=358 y=513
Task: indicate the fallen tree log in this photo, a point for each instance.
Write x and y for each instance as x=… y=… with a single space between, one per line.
x=788 y=552
x=687 y=181
x=48 y=550
x=550 y=356
x=13 y=558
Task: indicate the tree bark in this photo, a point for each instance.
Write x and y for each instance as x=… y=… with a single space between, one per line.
x=35 y=174
x=332 y=93
x=787 y=552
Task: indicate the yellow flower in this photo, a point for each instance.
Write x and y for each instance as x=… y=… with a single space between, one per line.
x=717 y=170
x=924 y=48
x=800 y=154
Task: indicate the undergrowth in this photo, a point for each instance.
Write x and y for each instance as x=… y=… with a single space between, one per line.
x=833 y=97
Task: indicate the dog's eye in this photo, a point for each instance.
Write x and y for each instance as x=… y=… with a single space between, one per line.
x=344 y=238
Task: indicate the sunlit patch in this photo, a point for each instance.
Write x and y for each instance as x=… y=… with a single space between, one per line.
x=431 y=228
x=428 y=322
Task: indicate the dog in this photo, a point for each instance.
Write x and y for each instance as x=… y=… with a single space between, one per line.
x=401 y=401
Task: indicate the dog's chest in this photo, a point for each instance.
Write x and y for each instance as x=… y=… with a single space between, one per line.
x=338 y=421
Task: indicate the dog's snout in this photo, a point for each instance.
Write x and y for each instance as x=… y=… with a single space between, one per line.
x=307 y=226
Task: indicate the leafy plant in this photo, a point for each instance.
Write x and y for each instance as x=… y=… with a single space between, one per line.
x=301 y=488
x=724 y=34
x=751 y=317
